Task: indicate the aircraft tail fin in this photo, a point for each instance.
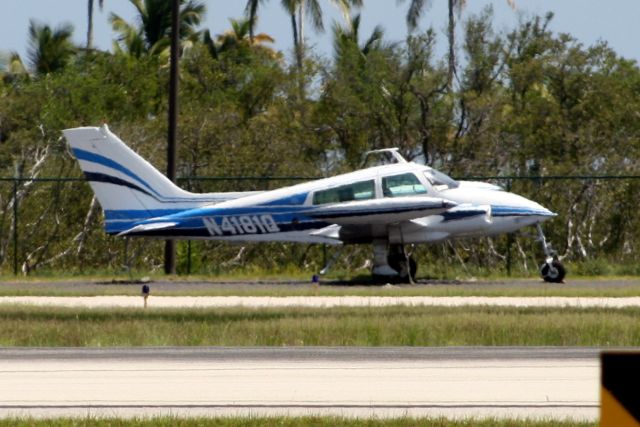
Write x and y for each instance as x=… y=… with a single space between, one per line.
x=128 y=187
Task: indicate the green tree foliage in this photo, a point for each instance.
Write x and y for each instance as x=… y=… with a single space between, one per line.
x=49 y=49
x=239 y=40
x=527 y=102
x=151 y=35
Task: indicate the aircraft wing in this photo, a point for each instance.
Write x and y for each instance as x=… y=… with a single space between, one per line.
x=380 y=211
x=260 y=223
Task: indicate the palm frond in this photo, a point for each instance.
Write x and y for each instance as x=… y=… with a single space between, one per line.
x=312 y=7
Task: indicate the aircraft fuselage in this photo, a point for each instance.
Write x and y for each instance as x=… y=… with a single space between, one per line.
x=294 y=213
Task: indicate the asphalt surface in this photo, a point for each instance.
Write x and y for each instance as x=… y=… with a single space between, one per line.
x=114 y=286
x=538 y=382
x=336 y=354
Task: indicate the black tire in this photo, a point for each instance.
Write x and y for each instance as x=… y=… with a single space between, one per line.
x=551 y=276
x=397 y=261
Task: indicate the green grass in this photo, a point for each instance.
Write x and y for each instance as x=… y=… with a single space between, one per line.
x=286 y=422
x=387 y=326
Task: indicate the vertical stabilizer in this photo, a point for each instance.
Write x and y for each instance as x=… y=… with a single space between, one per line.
x=128 y=187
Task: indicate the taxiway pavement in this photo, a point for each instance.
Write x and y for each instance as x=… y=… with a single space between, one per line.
x=536 y=382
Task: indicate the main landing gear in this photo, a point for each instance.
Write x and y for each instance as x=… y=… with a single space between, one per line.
x=391 y=263
x=552 y=270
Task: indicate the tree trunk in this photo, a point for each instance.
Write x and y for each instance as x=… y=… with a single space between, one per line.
x=298 y=48
x=252 y=20
x=296 y=42
x=90 y=25
x=301 y=23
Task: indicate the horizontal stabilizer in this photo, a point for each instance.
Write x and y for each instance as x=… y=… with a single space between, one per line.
x=153 y=226
x=330 y=232
x=381 y=211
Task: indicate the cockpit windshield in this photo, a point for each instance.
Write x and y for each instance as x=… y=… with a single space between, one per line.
x=406 y=184
x=440 y=181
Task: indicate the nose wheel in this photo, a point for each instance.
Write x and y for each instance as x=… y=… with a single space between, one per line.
x=551 y=270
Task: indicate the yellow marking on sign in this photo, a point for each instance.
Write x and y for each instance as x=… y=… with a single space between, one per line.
x=612 y=413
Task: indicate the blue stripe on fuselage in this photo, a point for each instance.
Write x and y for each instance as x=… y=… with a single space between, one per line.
x=294 y=200
x=287 y=218
x=499 y=211
x=139 y=214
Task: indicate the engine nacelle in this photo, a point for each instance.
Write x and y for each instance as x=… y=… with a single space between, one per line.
x=461 y=221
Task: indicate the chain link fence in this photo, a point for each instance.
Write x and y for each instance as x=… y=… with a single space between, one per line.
x=55 y=223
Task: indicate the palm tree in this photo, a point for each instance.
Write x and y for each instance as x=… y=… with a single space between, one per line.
x=413 y=16
x=151 y=35
x=415 y=12
x=455 y=8
x=347 y=38
x=90 y=21
x=251 y=12
x=239 y=36
x=416 y=7
x=49 y=50
x=298 y=10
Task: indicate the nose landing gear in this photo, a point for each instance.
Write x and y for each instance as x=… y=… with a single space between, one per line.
x=552 y=270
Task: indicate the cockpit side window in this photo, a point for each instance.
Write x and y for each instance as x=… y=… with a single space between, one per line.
x=363 y=190
x=406 y=184
x=439 y=180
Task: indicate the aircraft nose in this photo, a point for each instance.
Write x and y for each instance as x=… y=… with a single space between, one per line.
x=528 y=207
x=513 y=205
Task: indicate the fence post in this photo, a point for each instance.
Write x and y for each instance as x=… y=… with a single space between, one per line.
x=15 y=226
x=127 y=265
x=324 y=255
x=188 y=257
x=189 y=241
x=509 y=243
x=509 y=240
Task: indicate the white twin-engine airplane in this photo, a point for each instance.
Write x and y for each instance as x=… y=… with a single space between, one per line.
x=388 y=206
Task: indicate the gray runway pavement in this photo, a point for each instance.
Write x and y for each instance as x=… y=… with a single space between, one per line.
x=159 y=286
x=382 y=382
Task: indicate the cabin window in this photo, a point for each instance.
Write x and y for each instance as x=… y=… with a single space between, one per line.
x=364 y=190
x=402 y=185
